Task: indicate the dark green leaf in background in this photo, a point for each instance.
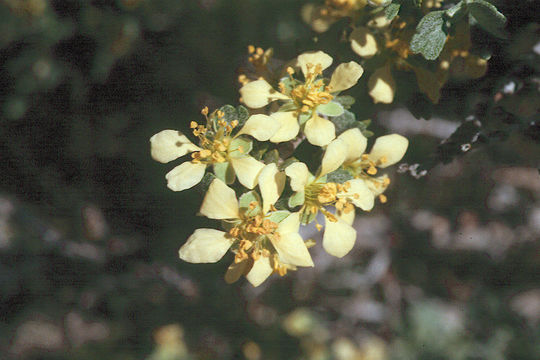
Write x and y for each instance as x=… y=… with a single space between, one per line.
x=488 y=17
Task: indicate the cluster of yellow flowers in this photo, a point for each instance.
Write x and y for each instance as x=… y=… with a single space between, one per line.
x=262 y=213
x=373 y=35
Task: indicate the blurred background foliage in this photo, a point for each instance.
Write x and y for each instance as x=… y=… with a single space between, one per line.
x=89 y=233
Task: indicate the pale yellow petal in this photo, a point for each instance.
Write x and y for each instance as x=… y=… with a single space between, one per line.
x=359 y=194
x=363 y=42
x=382 y=86
x=376 y=186
x=347 y=217
x=389 y=149
x=339 y=238
x=205 y=246
x=185 y=176
x=356 y=143
x=292 y=250
x=168 y=145
x=298 y=173
x=260 y=271
x=220 y=202
x=345 y=76
x=261 y=127
x=333 y=157
x=289 y=126
x=319 y=131
x=247 y=169
x=236 y=270
x=313 y=58
x=290 y=224
x=259 y=93
x=271 y=184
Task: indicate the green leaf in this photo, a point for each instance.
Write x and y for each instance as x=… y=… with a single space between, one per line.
x=230 y=113
x=339 y=176
x=345 y=100
x=488 y=17
x=430 y=36
x=330 y=109
x=391 y=11
x=240 y=147
x=278 y=216
x=242 y=114
x=224 y=172
x=289 y=84
x=297 y=199
x=302 y=118
x=345 y=121
x=248 y=198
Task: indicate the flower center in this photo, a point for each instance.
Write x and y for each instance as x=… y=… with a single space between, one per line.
x=214 y=138
x=312 y=92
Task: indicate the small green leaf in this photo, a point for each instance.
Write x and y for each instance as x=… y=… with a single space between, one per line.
x=248 y=198
x=454 y=9
x=278 y=216
x=345 y=100
x=330 y=109
x=430 y=36
x=229 y=113
x=345 y=121
x=339 y=176
x=240 y=147
x=297 y=199
x=242 y=115
x=391 y=11
x=487 y=16
x=224 y=172
x=288 y=84
x=302 y=118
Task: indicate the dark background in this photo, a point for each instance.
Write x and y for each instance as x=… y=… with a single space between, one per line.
x=447 y=269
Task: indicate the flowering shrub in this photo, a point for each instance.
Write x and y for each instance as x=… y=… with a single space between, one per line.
x=261 y=213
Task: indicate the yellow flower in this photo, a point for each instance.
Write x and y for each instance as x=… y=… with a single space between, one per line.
x=218 y=146
x=263 y=239
x=315 y=193
x=306 y=103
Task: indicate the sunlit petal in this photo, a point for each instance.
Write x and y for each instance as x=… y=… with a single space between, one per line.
x=334 y=156
x=345 y=76
x=247 y=170
x=271 y=183
x=356 y=143
x=389 y=149
x=168 y=145
x=261 y=127
x=289 y=126
x=220 y=202
x=319 y=131
x=298 y=173
x=259 y=93
x=313 y=58
x=292 y=250
x=260 y=271
x=205 y=246
x=185 y=176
